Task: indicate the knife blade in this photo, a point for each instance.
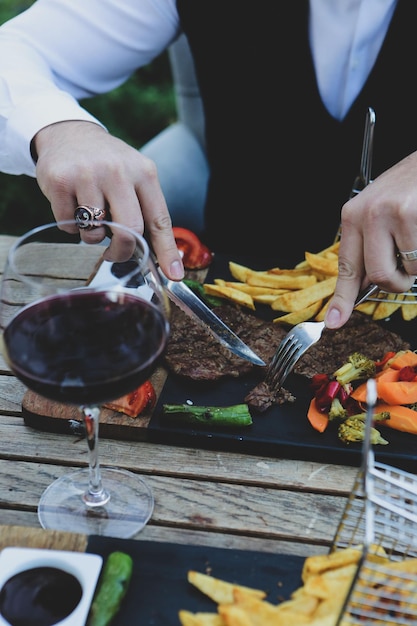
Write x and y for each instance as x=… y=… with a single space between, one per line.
x=193 y=306
x=190 y=303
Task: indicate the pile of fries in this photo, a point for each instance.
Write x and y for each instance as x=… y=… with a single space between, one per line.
x=303 y=292
x=327 y=581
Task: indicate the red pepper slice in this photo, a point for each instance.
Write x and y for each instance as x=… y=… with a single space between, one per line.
x=326 y=395
x=407 y=373
x=318 y=381
x=387 y=356
x=135 y=402
x=196 y=255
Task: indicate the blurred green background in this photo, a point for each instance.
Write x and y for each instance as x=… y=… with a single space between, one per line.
x=135 y=112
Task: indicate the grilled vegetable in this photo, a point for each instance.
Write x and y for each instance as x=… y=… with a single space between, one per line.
x=356 y=367
x=196 y=255
x=136 y=402
x=352 y=429
x=402 y=418
x=337 y=411
x=235 y=415
x=316 y=417
x=112 y=587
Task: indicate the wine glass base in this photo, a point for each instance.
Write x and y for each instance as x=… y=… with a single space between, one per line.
x=61 y=506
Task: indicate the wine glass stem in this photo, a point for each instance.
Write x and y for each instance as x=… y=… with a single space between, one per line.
x=95 y=495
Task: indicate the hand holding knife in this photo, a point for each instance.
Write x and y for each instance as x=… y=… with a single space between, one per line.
x=192 y=305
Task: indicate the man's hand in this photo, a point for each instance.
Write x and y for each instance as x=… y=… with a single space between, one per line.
x=378 y=223
x=80 y=163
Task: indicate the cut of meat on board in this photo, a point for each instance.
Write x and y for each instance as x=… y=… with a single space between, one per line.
x=359 y=334
x=194 y=353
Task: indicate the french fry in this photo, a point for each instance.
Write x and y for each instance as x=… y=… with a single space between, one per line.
x=320 y=563
x=385 y=309
x=239 y=272
x=288 y=289
x=333 y=248
x=409 y=310
x=327 y=579
x=252 y=290
x=299 y=316
x=297 y=300
x=367 y=307
x=230 y=294
x=301 y=271
x=200 y=619
x=322 y=313
x=324 y=264
x=218 y=590
x=329 y=254
x=328 y=584
x=265 y=298
x=281 y=281
x=263 y=613
x=232 y=615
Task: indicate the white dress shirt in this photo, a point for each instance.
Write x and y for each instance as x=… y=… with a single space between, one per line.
x=60 y=51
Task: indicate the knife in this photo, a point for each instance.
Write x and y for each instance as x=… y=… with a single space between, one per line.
x=191 y=304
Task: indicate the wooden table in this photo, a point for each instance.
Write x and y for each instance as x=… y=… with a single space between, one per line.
x=205 y=497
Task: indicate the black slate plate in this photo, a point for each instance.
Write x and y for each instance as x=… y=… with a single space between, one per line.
x=282 y=431
x=159 y=587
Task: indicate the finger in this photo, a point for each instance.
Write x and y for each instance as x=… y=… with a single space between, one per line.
x=159 y=225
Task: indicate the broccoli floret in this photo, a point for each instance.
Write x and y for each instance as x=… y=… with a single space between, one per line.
x=377 y=417
x=356 y=367
x=353 y=429
x=337 y=410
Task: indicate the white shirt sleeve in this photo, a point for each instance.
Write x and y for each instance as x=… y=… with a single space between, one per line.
x=60 y=51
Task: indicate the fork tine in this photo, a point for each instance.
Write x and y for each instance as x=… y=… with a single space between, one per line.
x=282 y=362
x=281 y=352
x=280 y=373
x=296 y=342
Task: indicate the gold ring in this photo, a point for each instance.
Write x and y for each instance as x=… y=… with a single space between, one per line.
x=84 y=214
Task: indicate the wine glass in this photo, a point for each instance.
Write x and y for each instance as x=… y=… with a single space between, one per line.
x=84 y=324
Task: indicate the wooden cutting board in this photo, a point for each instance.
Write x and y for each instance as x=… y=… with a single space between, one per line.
x=44 y=414
x=26 y=537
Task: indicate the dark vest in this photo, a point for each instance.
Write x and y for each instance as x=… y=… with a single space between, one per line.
x=281 y=165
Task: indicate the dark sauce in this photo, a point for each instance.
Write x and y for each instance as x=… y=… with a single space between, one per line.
x=85 y=348
x=41 y=596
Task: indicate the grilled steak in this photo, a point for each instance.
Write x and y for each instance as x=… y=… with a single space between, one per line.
x=359 y=334
x=261 y=397
x=194 y=353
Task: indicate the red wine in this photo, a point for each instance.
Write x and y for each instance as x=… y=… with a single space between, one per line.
x=85 y=347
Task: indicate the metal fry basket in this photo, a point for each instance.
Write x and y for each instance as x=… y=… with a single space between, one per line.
x=380 y=518
x=407 y=297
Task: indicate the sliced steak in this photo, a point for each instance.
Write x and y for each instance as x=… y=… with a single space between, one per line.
x=262 y=397
x=359 y=334
x=194 y=353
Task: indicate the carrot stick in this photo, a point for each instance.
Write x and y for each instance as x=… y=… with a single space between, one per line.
x=317 y=419
x=400 y=392
x=404 y=358
x=388 y=375
x=401 y=418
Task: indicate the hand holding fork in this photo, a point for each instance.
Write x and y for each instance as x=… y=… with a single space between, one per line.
x=304 y=335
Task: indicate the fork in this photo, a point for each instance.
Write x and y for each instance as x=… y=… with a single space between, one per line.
x=364 y=177
x=296 y=342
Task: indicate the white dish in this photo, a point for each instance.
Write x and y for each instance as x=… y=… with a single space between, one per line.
x=84 y=567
